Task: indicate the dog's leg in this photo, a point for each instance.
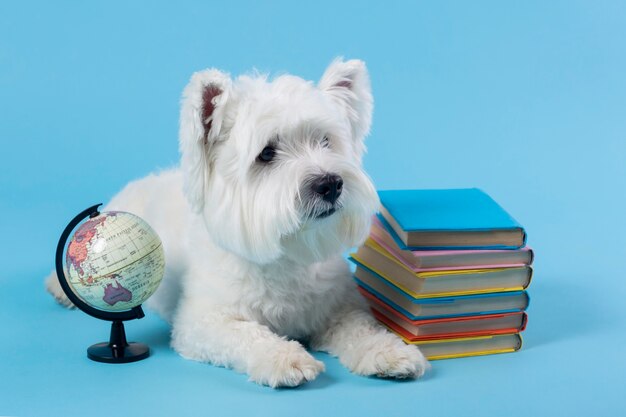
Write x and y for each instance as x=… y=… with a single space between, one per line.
x=367 y=348
x=54 y=288
x=223 y=339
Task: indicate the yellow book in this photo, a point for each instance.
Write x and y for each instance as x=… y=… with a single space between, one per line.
x=373 y=258
x=470 y=346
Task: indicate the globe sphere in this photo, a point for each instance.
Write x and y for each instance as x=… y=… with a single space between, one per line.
x=114 y=261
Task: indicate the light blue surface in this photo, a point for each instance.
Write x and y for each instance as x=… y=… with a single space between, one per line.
x=525 y=100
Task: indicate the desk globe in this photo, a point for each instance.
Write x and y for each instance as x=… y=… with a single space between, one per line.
x=113 y=263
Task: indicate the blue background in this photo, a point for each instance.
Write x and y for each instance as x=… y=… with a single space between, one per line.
x=526 y=100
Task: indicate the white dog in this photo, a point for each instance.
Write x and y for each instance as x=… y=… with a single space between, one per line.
x=269 y=194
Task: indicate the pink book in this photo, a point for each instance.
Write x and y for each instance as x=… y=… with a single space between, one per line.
x=441 y=260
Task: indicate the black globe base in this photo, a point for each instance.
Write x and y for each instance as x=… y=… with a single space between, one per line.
x=103 y=352
x=118 y=350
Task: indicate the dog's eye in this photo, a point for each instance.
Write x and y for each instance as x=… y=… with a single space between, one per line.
x=325 y=142
x=267 y=154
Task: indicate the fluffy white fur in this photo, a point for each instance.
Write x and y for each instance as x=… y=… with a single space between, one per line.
x=251 y=272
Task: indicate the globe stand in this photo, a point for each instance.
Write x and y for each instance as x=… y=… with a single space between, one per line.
x=118 y=350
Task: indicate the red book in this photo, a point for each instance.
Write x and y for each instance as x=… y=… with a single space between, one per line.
x=449 y=327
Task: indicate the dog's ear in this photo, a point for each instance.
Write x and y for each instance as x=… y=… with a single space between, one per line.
x=348 y=83
x=201 y=116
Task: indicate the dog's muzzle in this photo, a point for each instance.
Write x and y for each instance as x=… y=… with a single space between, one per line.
x=328 y=186
x=326 y=213
x=326 y=190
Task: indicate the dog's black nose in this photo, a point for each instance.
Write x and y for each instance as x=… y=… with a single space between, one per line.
x=329 y=186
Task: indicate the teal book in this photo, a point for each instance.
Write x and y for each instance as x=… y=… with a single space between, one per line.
x=448 y=219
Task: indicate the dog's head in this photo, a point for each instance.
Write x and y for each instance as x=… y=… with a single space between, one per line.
x=274 y=167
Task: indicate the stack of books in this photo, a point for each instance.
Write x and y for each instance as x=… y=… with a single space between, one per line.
x=447 y=270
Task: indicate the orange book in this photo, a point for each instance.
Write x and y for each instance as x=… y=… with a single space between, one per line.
x=454 y=328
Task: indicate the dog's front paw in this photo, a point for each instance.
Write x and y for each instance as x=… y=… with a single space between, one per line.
x=397 y=360
x=285 y=365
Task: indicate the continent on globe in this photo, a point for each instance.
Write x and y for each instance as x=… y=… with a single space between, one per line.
x=113 y=294
x=78 y=248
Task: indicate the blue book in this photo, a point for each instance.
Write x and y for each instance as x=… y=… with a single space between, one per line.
x=444 y=307
x=448 y=219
